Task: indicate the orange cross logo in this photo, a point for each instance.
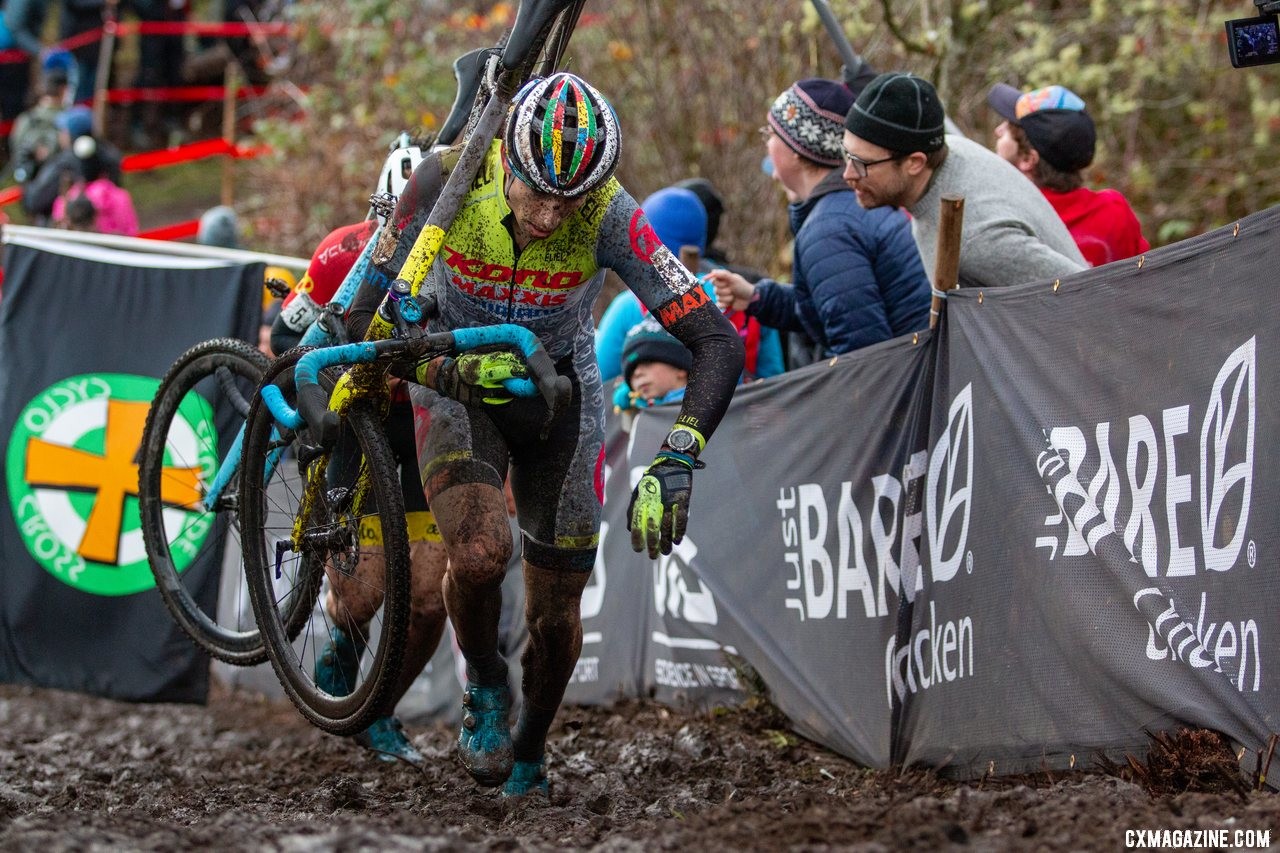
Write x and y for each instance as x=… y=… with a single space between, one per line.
x=113 y=476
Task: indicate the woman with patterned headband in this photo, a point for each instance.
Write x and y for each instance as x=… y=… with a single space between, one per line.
x=856 y=275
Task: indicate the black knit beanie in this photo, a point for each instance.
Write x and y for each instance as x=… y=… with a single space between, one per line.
x=900 y=112
x=648 y=341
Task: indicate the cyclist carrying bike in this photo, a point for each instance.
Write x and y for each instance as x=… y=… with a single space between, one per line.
x=544 y=214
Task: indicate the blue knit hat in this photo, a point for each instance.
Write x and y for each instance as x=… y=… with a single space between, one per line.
x=219 y=227
x=677 y=217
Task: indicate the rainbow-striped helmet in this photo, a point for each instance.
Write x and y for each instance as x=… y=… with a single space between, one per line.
x=562 y=137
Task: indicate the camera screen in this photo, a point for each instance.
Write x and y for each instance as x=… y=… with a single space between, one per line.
x=1253 y=41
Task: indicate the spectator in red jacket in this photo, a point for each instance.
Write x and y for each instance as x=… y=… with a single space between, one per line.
x=1050 y=137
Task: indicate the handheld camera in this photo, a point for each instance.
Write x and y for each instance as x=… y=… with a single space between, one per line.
x=1255 y=41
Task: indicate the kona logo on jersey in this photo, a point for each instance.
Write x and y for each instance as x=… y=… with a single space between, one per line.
x=678 y=278
x=679 y=307
x=469 y=268
x=73 y=481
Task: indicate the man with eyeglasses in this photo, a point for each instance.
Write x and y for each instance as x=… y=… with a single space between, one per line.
x=897 y=154
x=856 y=275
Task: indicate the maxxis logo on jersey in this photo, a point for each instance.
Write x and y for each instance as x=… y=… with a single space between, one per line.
x=72 y=478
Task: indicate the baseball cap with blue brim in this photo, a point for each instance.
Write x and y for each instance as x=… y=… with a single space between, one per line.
x=1055 y=121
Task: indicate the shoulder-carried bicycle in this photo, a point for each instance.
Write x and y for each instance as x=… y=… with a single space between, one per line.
x=335 y=432
x=225 y=372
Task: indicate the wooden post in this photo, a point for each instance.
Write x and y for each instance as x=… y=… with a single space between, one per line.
x=231 y=82
x=106 y=50
x=946 y=266
x=691 y=257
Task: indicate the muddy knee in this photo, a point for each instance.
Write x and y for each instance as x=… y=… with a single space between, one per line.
x=481 y=561
x=477 y=535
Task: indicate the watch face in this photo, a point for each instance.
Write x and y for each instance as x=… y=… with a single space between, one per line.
x=681 y=440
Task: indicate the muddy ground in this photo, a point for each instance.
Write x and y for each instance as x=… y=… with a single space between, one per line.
x=80 y=773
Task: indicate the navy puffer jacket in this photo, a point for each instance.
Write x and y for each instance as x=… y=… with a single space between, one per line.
x=857 y=275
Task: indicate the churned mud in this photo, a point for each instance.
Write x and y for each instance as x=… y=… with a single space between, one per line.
x=80 y=773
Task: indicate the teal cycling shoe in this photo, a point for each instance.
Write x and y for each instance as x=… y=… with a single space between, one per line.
x=338 y=664
x=527 y=777
x=386 y=737
x=484 y=742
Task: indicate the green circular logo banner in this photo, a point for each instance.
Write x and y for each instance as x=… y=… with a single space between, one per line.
x=72 y=477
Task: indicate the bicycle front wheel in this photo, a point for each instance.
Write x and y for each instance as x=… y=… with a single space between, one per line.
x=174 y=493
x=352 y=493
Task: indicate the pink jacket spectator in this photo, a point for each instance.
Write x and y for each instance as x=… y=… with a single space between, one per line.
x=113 y=203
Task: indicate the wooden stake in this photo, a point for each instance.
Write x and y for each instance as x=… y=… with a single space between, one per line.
x=231 y=82
x=106 y=50
x=946 y=267
x=691 y=257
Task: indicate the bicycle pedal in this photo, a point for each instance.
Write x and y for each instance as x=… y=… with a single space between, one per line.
x=281 y=547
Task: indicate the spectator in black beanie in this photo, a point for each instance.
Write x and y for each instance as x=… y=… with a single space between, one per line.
x=897 y=154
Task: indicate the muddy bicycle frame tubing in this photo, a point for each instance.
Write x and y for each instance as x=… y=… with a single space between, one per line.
x=538 y=23
x=467 y=71
x=315 y=335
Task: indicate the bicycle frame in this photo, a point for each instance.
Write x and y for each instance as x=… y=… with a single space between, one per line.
x=538 y=22
x=315 y=335
x=467 y=69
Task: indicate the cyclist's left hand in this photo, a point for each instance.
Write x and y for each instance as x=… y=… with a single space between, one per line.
x=659 y=510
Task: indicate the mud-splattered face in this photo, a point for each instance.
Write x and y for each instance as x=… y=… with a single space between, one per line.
x=537 y=215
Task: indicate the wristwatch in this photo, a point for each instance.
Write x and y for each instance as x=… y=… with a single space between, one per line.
x=682 y=440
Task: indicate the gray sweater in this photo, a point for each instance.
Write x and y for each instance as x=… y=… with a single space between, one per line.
x=1011 y=233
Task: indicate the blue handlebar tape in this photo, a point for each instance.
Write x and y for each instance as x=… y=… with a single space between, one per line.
x=503 y=334
x=309 y=366
x=285 y=415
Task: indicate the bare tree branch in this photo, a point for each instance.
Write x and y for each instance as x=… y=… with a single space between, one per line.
x=900 y=34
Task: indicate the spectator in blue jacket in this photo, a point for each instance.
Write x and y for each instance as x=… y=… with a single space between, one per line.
x=857 y=276
x=679 y=218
